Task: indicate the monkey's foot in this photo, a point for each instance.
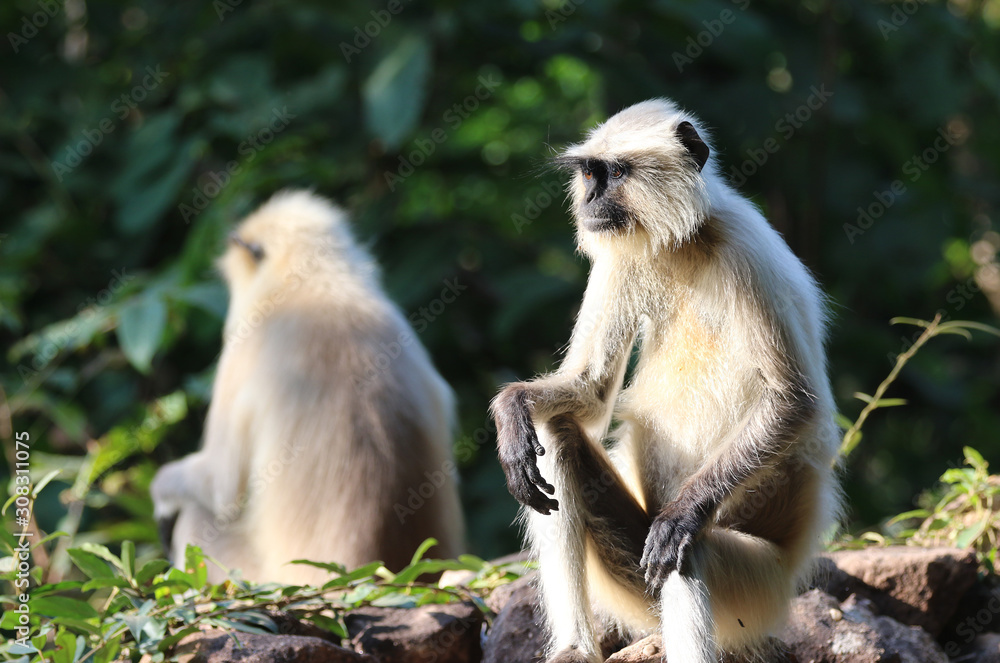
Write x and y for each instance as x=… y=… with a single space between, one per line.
x=571 y=655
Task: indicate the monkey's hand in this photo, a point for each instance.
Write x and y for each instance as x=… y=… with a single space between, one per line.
x=669 y=542
x=518 y=448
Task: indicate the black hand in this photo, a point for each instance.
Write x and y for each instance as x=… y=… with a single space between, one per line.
x=669 y=542
x=518 y=448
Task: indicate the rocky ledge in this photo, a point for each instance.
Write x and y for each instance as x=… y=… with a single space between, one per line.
x=879 y=605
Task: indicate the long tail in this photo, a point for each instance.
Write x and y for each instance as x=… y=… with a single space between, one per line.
x=686 y=618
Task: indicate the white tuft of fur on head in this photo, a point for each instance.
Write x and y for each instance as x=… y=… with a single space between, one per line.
x=666 y=196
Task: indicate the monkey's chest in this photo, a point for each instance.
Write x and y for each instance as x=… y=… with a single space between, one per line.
x=690 y=389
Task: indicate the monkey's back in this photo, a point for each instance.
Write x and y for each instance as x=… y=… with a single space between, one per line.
x=347 y=401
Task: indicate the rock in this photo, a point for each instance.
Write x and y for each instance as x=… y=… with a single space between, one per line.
x=517 y=635
x=822 y=630
x=986 y=649
x=502 y=594
x=217 y=646
x=916 y=586
x=440 y=633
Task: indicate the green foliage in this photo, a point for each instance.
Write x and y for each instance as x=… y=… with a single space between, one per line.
x=147 y=609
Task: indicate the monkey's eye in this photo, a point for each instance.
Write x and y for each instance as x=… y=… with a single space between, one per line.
x=255 y=249
x=617 y=172
x=256 y=252
x=588 y=174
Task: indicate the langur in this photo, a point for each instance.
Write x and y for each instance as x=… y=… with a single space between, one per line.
x=698 y=511
x=326 y=417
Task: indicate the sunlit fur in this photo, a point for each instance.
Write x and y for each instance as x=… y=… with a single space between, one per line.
x=326 y=412
x=729 y=404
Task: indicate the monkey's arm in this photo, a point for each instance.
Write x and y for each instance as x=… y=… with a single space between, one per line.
x=583 y=387
x=773 y=423
x=181 y=482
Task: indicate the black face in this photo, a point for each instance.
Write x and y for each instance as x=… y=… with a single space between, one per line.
x=253 y=248
x=602 y=208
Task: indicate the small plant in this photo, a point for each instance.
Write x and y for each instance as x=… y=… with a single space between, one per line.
x=122 y=612
x=967 y=513
x=935 y=327
x=964 y=513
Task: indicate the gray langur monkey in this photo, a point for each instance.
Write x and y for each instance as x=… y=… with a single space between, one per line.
x=702 y=516
x=326 y=413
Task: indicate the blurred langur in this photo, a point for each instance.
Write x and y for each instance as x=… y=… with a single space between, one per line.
x=327 y=415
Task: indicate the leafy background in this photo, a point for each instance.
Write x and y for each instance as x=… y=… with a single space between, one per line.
x=111 y=311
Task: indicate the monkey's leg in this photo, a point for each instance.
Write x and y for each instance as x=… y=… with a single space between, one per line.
x=597 y=514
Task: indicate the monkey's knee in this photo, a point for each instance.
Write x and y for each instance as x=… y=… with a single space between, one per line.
x=748 y=585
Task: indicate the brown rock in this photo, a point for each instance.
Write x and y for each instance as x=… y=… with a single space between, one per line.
x=916 y=586
x=441 y=633
x=217 y=646
x=822 y=630
x=516 y=635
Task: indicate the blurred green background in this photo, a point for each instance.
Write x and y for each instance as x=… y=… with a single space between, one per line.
x=133 y=135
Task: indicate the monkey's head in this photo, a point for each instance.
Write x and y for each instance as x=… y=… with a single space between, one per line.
x=296 y=241
x=642 y=176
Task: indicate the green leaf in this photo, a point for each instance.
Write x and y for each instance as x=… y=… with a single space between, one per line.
x=101 y=583
x=974 y=458
x=66 y=647
x=43 y=482
x=128 y=558
x=194 y=565
x=62 y=606
x=907 y=515
x=142 y=322
x=102 y=552
x=968 y=324
x=362 y=572
x=91 y=565
x=422 y=549
x=151 y=569
x=910 y=321
x=335 y=626
x=394 y=93
x=970 y=535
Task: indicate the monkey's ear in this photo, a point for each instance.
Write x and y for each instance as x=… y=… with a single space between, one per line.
x=695 y=146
